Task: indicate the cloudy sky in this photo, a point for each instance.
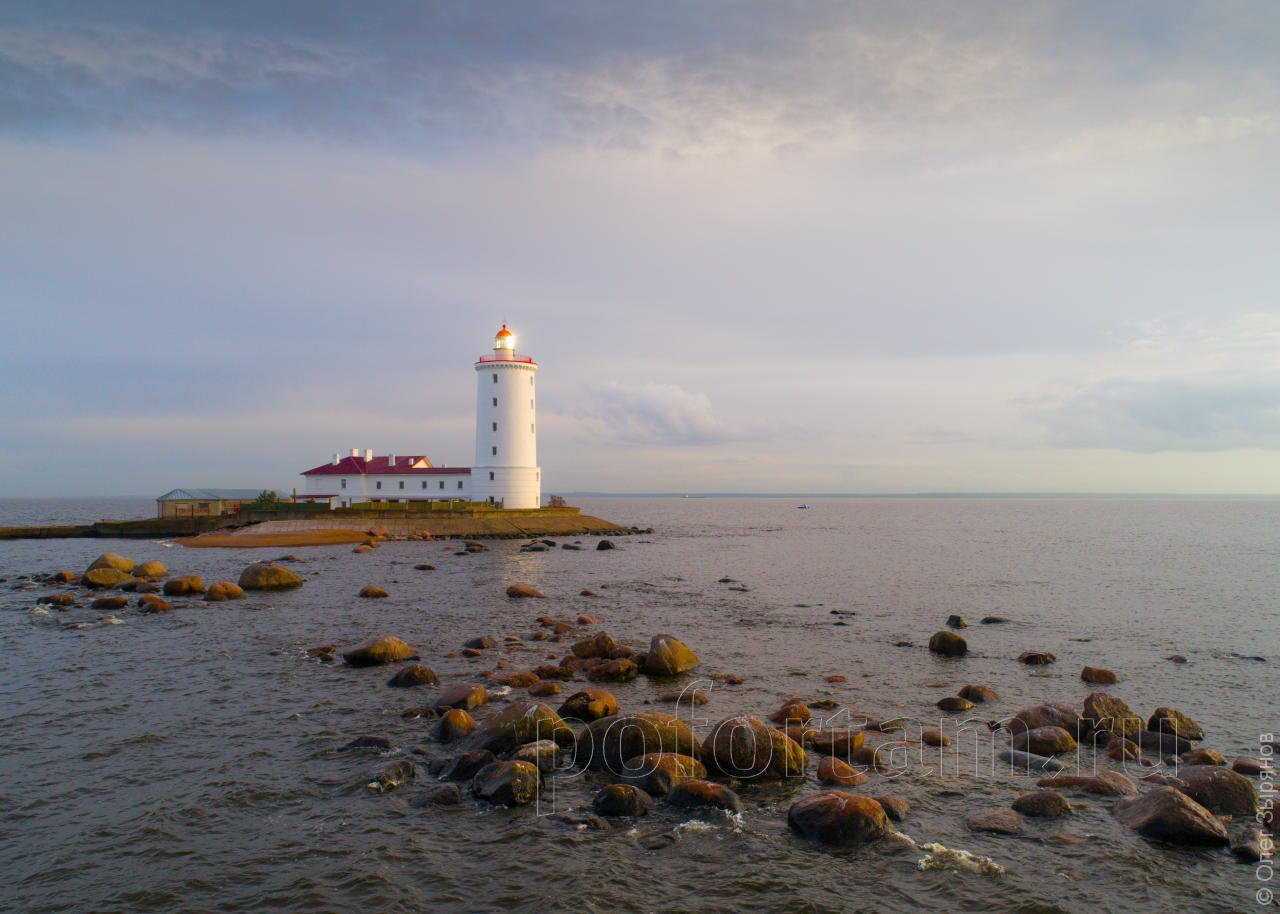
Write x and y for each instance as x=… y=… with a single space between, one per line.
x=757 y=247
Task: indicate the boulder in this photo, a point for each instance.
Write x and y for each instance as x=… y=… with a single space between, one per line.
x=268 y=576
x=481 y=643
x=377 y=743
x=104 y=577
x=609 y=742
x=622 y=800
x=657 y=772
x=223 y=590
x=110 y=603
x=1095 y=675
x=415 y=674
x=603 y=545
x=586 y=619
x=956 y=622
x=1046 y=715
x=1167 y=720
x=588 y=705
x=464 y=767
x=362 y=549
x=1219 y=789
x=1161 y=743
x=978 y=694
x=687 y=697
x=524 y=592
x=1043 y=804
x=187 y=584
x=1123 y=750
x=454 y=724
x=1028 y=761
x=793 y=711
x=998 y=822
x=397 y=774
x=112 y=560
x=372 y=592
x=464 y=695
x=696 y=793
x=948 y=644
x=378 y=530
x=518 y=723
x=598 y=645
x=389 y=649
x=544 y=689
x=1203 y=756
x=543 y=754
x=993 y=620
x=1036 y=658
x=1166 y=814
x=1044 y=741
x=1105 y=714
x=613 y=671
x=668 y=656
x=895 y=808
x=931 y=736
x=1105 y=783
x=518 y=678
x=840 y=774
x=1248 y=847
x=150 y=570
x=1246 y=765
x=150 y=603
x=839 y=818
x=954 y=704
x=507 y=783
x=747 y=748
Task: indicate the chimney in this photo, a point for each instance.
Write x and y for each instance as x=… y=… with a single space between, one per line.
x=355 y=452
x=337 y=458
x=368 y=454
x=391 y=460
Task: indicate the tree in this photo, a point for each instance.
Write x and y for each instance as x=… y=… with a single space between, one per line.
x=555 y=501
x=266 y=498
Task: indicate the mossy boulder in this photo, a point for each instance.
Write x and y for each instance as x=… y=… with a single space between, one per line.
x=507 y=783
x=224 y=590
x=610 y=741
x=948 y=644
x=185 y=585
x=268 y=576
x=668 y=656
x=747 y=748
x=657 y=772
x=100 y=578
x=519 y=723
x=839 y=818
x=389 y=649
x=112 y=560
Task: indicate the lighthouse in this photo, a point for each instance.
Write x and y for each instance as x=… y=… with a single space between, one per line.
x=506 y=470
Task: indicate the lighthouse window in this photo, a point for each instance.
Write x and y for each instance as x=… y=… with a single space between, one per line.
x=495 y=450
x=379 y=483
x=495 y=379
x=495 y=426
x=495 y=401
x=531 y=428
x=531 y=403
x=491 y=475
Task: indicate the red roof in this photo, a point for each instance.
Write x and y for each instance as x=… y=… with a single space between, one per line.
x=380 y=466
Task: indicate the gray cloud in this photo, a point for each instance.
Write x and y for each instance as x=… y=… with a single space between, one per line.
x=654 y=414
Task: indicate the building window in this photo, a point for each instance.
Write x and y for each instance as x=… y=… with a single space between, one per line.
x=379 y=483
x=442 y=483
x=491 y=475
x=459 y=484
x=495 y=450
x=402 y=483
x=495 y=401
x=344 y=483
x=495 y=379
x=495 y=426
x=424 y=483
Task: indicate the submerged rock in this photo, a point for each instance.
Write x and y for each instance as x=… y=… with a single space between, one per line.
x=998 y=821
x=372 y=592
x=956 y=622
x=223 y=590
x=396 y=775
x=1098 y=676
x=414 y=675
x=464 y=767
x=389 y=649
x=1036 y=658
x=1028 y=761
x=657 y=772
x=978 y=694
x=543 y=754
x=1166 y=814
x=622 y=800
x=380 y=743
x=268 y=576
x=697 y=793
x=621 y=670
x=110 y=603
x=507 y=783
x=954 y=704
x=1044 y=741
x=838 y=818
x=841 y=774
x=1042 y=804
x=524 y=592
x=948 y=644
x=1105 y=783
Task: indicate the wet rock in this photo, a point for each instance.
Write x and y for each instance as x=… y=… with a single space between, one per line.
x=1104 y=713
x=657 y=772
x=585 y=592
x=622 y=800
x=517 y=678
x=697 y=793
x=424 y=567
x=1203 y=756
x=444 y=795
x=58 y=599
x=463 y=695
x=1167 y=720
x=998 y=822
x=793 y=711
x=1245 y=765
x=1219 y=789
x=836 y=679
x=1105 y=783
x=598 y=645
x=524 y=592
x=609 y=742
x=948 y=644
x=931 y=736
x=378 y=743
x=464 y=767
x=413 y=675
x=993 y=620
x=604 y=545
x=1248 y=847
x=1166 y=814
x=223 y=590
x=187 y=584
x=613 y=671
x=954 y=704
x=372 y=592
x=61 y=577
x=588 y=620
x=133 y=584
x=1123 y=750
x=268 y=576
x=1043 y=804
x=1161 y=743
x=389 y=649
x=690 y=697
x=324 y=651
x=1176 y=658
x=362 y=549
x=1036 y=658
x=824 y=704
x=110 y=603
x=1098 y=676
x=1045 y=715
x=668 y=656
x=99 y=578
x=483 y=643
x=956 y=622
x=1044 y=741
x=978 y=694
x=151 y=569
x=454 y=725
x=396 y=775
x=112 y=560
x=838 y=818
x=518 y=723
x=544 y=689
x=507 y=783
x=419 y=711
x=378 y=530
x=1029 y=762
x=840 y=774
x=543 y=754
x=588 y=705
x=747 y=748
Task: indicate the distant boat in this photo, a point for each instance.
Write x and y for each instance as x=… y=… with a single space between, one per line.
x=802 y=507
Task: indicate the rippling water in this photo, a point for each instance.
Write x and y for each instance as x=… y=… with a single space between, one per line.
x=190 y=762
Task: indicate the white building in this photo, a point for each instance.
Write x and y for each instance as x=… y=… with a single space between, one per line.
x=505 y=473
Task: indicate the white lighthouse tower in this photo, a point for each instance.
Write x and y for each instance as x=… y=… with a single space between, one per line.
x=506 y=470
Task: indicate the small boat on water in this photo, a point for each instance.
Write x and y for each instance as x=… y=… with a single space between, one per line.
x=802 y=507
